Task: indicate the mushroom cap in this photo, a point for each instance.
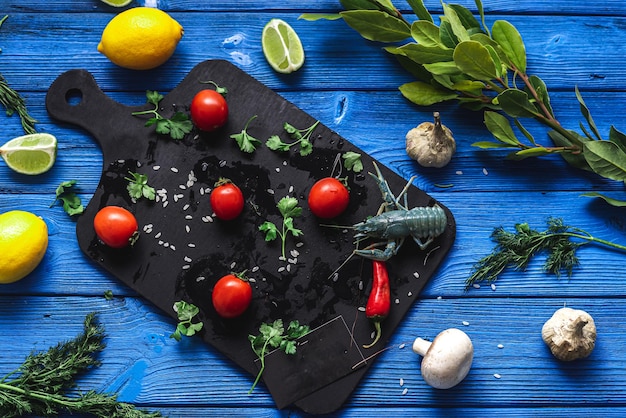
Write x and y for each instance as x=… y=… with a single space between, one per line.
x=448 y=360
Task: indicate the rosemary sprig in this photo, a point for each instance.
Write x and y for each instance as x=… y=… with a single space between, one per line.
x=516 y=249
x=39 y=385
x=14 y=103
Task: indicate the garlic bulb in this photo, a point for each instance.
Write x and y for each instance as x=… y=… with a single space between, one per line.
x=570 y=334
x=431 y=144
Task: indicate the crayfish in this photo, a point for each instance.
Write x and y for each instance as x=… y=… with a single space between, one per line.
x=395 y=222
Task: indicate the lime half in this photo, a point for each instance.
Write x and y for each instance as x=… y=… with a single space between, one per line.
x=30 y=154
x=282 y=47
x=117 y=3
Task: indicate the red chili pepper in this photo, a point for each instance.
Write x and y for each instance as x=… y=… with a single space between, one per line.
x=379 y=301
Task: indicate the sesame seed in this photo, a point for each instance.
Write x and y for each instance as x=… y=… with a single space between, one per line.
x=361 y=285
x=201 y=278
x=500 y=346
x=401 y=382
x=281 y=269
x=485 y=171
x=165 y=203
x=191 y=245
x=186 y=206
x=416 y=275
x=160 y=242
x=158 y=235
x=174 y=169
x=361 y=308
x=187 y=259
x=277 y=169
x=497 y=375
x=182 y=187
x=401 y=346
x=335 y=277
x=202 y=192
x=156 y=167
x=172 y=247
x=493 y=287
x=439 y=297
x=187 y=228
x=292 y=260
x=186 y=267
x=288 y=267
x=299 y=244
x=223 y=163
x=295 y=253
x=252 y=280
x=397 y=301
x=409 y=294
x=476 y=286
x=166 y=244
x=188 y=217
x=255 y=269
x=459 y=172
x=405 y=391
x=465 y=323
x=290 y=189
x=270 y=191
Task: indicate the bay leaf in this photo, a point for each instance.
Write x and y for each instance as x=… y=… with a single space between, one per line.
x=426 y=54
x=420 y=10
x=424 y=94
x=575 y=160
x=611 y=201
x=586 y=113
x=490 y=145
x=542 y=92
x=475 y=60
x=516 y=103
x=446 y=34
x=443 y=68
x=528 y=153
x=467 y=19
x=606 y=158
x=460 y=32
x=375 y=25
x=500 y=128
x=472 y=87
x=618 y=138
x=358 y=5
x=426 y=33
x=312 y=17
x=509 y=39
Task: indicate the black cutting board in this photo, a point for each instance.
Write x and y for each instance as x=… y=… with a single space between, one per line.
x=183 y=250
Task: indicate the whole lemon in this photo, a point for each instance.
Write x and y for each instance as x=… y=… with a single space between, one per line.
x=141 y=38
x=23 y=243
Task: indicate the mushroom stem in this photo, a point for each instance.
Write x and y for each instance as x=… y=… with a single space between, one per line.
x=421 y=346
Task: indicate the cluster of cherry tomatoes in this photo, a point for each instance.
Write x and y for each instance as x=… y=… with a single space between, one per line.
x=232 y=294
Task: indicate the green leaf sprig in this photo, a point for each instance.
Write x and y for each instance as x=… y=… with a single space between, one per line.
x=274 y=335
x=516 y=249
x=38 y=387
x=186 y=313
x=289 y=209
x=138 y=186
x=299 y=136
x=245 y=141
x=484 y=69
x=13 y=102
x=70 y=200
x=352 y=161
x=176 y=127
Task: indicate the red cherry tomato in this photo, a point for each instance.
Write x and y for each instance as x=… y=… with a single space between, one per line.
x=328 y=198
x=209 y=110
x=116 y=226
x=226 y=200
x=231 y=296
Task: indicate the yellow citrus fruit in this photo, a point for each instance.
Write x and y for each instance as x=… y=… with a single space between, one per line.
x=23 y=243
x=140 y=38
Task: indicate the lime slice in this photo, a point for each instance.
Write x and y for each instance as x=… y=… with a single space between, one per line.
x=282 y=47
x=117 y=3
x=30 y=154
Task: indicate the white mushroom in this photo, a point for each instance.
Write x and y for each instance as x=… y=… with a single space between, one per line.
x=570 y=334
x=447 y=360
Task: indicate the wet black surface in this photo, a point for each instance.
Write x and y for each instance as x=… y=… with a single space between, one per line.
x=183 y=251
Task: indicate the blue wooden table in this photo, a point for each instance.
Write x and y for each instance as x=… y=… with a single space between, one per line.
x=350 y=85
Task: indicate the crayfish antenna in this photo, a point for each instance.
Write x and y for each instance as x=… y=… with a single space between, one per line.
x=341 y=266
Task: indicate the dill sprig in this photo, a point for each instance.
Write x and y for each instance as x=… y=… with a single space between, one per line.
x=13 y=102
x=516 y=249
x=38 y=386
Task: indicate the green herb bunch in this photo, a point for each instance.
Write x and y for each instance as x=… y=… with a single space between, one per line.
x=176 y=127
x=38 y=386
x=274 y=335
x=289 y=209
x=484 y=69
x=517 y=249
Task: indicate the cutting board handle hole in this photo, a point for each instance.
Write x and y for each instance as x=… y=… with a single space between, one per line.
x=74 y=97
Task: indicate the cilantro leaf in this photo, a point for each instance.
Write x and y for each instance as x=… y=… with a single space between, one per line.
x=138 y=186
x=70 y=200
x=275 y=336
x=352 y=161
x=176 y=127
x=276 y=144
x=271 y=232
x=289 y=209
x=300 y=136
x=245 y=141
x=185 y=313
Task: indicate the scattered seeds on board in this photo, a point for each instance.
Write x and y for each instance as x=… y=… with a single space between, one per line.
x=497 y=375
x=476 y=286
x=416 y=275
x=401 y=382
x=465 y=323
x=401 y=346
x=485 y=172
x=405 y=391
x=500 y=346
x=493 y=287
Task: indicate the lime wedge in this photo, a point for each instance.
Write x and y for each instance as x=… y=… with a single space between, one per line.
x=30 y=154
x=117 y=3
x=282 y=47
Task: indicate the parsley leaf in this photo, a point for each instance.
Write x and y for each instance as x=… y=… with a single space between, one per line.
x=352 y=161
x=300 y=136
x=289 y=209
x=71 y=202
x=274 y=335
x=138 y=186
x=186 y=312
x=176 y=127
x=247 y=143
